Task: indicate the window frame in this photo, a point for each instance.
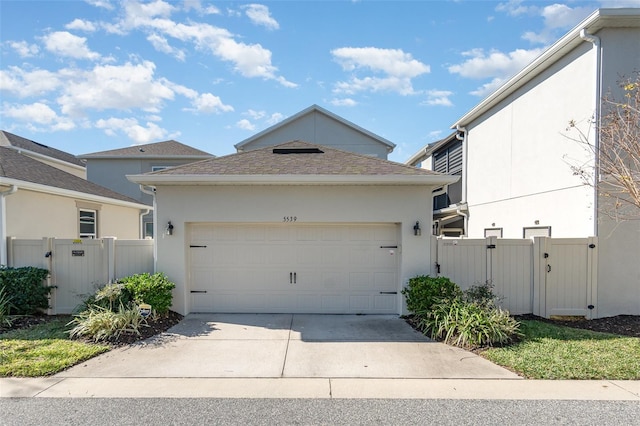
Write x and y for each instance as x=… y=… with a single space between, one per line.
x=89 y=235
x=493 y=229
x=526 y=228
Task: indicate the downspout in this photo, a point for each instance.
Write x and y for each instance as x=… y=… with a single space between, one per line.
x=155 y=225
x=3 y=223
x=464 y=139
x=595 y=40
x=143 y=213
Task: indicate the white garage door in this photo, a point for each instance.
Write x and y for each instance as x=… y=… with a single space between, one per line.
x=294 y=268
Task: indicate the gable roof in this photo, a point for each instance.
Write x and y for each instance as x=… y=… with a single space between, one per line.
x=19 y=143
x=166 y=149
x=315 y=108
x=25 y=172
x=294 y=162
x=599 y=19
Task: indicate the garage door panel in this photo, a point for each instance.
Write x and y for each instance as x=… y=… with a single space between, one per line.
x=338 y=268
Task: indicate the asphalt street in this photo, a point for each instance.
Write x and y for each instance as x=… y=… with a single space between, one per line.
x=166 y=411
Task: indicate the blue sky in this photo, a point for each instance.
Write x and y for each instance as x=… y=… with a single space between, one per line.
x=87 y=76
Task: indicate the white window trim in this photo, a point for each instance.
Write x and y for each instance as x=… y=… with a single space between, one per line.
x=493 y=229
x=526 y=228
x=93 y=235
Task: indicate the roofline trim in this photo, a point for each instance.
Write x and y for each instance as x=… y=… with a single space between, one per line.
x=21 y=184
x=427 y=179
x=572 y=39
x=45 y=157
x=390 y=145
x=146 y=157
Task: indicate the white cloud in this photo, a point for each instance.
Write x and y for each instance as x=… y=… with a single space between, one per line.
x=25 y=84
x=494 y=64
x=208 y=103
x=255 y=115
x=105 y=4
x=397 y=69
x=134 y=131
x=24 y=49
x=250 y=60
x=197 y=6
x=276 y=117
x=348 y=102
x=488 y=88
x=245 y=124
x=82 y=25
x=434 y=134
x=439 y=98
x=162 y=45
x=516 y=8
x=129 y=86
x=66 y=44
x=37 y=113
x=259 y=15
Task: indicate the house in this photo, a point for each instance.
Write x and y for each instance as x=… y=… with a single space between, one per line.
x=514 y=154
x=318 y=126
x=39 y=200
x=293 y=227
x=109 y=168
x=43 y=153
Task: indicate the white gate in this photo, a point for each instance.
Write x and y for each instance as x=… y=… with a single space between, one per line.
x=544 y=276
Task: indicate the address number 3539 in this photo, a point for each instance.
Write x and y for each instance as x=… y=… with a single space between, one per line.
x=289 y=218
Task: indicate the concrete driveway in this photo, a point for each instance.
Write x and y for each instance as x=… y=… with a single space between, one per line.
x=290 y=346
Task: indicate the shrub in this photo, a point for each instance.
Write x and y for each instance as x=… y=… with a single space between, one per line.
x=469 y=324
x=24 y=286
x=154 y=290
x=481 y=294
x=424 y=291
x=5 y=305
x=100 y=323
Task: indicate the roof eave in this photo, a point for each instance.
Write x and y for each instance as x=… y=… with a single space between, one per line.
x=146 y=157
x=422 y=179
x=569 y=41
x=37 y=187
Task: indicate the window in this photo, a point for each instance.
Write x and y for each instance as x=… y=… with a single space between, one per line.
x=158 y=168
x=148 y=229
x=88 y=223
x=493 y=232
x=449 y=161
x=536 y=231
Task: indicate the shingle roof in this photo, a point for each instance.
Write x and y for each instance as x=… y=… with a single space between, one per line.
x=14 y=165
x=264 y=161
x=167 y=149
x=9 y=139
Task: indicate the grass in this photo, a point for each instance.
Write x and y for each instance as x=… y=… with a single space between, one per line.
x=42 y=350
x=554 y=352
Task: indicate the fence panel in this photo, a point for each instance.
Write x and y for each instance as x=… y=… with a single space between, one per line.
x=79 y=267
x=133 y=257
x=463 y=261
x=512 y=274
x=27 y=253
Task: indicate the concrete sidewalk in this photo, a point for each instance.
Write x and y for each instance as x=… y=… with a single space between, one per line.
x=489 y=389
x=300 y=356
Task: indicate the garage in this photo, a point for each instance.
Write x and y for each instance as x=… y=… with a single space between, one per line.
x=294 y=268
x=292 y=228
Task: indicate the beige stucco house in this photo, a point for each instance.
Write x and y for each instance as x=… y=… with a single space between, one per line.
x=295 y=227
x=40 y=197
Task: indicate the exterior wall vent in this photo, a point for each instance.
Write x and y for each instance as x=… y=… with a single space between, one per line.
x=297 y=151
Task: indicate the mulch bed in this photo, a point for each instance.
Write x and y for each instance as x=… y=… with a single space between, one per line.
x=624 y=325
x=155 y=326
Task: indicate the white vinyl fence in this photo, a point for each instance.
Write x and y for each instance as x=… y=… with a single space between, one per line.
x=78 y=267
x=544 y=276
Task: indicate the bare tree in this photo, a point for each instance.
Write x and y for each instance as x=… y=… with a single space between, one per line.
x=615 y=171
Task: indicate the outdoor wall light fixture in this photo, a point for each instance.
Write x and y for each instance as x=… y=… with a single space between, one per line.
x=416 y=229
x=169 y=228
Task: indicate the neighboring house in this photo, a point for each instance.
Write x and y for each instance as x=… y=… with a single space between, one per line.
x=109 y=168
x=43 y=153
x=38 y=200
x=295 y=227
x=516 y=179
x=319 y=126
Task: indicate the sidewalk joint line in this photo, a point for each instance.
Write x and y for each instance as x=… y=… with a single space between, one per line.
x=286 y=351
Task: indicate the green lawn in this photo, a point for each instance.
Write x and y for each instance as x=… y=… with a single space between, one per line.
x=42 y=350
x=550 y=351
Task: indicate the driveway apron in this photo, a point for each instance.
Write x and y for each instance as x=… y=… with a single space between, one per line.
x=290 y=346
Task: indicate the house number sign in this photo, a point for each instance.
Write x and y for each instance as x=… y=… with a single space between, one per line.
x=290 y=219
